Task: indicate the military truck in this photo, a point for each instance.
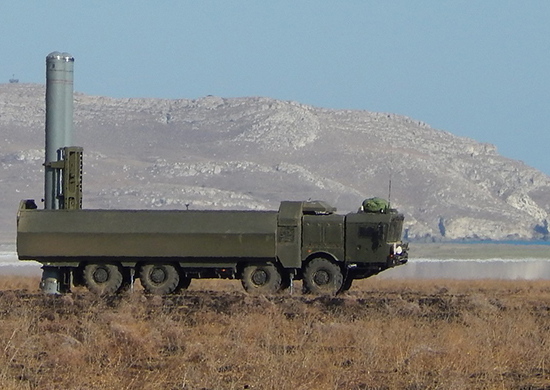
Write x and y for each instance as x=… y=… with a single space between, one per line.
x=107 y=249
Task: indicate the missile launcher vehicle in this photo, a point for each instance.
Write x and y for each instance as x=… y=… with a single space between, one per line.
x=106 y=250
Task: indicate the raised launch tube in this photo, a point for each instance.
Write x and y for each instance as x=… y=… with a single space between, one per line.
x=59 y=120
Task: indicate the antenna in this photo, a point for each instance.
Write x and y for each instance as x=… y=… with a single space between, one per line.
x=389 y=194
x=389 y=185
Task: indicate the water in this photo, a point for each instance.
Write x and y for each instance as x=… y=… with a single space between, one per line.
x=10 y=264
x=505 y=242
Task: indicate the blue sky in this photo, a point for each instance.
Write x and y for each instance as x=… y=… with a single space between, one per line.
x=479 y=69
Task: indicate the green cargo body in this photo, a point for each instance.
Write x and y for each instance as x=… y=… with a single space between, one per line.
x=47 y=235
x=165 y=249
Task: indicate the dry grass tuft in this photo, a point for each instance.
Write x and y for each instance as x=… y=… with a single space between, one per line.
x=381 y=335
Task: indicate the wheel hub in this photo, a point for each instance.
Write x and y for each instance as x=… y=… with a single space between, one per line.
x=158 y=275
x=101 y=275
x=260 y=277
x=321 y=277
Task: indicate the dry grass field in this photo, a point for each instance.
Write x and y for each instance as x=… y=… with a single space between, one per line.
x=383 y=334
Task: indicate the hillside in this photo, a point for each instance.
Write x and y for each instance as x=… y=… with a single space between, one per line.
x=252 y=152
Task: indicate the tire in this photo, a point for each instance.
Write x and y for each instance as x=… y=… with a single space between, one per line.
x=262 y=279
x=159 y=279
x=322 y=276
x=103 y=278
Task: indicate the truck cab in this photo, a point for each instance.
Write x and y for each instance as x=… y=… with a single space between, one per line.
x=361 y=244
x=373 y=242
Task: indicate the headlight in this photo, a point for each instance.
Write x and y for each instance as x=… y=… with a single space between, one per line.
x=397 y=249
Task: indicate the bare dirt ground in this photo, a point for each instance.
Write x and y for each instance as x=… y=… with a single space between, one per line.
x=383 y=334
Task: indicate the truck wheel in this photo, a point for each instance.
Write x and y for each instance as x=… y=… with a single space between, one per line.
x=159 y=279
x=262 y=279
x=102 y=278
x=322 y=276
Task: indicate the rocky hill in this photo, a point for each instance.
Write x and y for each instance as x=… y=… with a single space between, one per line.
x=251 y=153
